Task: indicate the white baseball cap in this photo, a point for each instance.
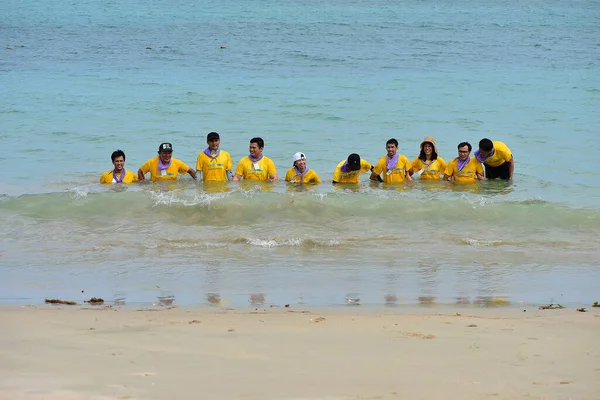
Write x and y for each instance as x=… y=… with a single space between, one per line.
x=298 y=156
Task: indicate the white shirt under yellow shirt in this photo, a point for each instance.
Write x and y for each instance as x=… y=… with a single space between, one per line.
x=469 y=172
x=169 y=174
x=214 y=168
x=433 y=171
x=350 y=176
x=109 y=177
x=261 y=172
x=501 y=155
x=309 y=177
x=398 y=174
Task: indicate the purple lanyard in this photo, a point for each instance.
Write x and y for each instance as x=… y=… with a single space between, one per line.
x=162 y=166
x=116 y=178
x=392 y=162
x=461 y=164
x=210 y=154
x=301 y=174
x=483 y=159
x=253 y=159
x=344 y=167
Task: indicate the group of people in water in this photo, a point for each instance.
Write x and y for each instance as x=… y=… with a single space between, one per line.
x=214 y=164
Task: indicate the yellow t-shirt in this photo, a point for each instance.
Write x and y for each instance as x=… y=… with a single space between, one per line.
x=310 y=177
x=434 y=171
x=266 y=168
x=214 y=169
x=501 y=155
x=467 y=174
x=108 y=177
x=352 y=176
x=398 y=174
x=176 y=167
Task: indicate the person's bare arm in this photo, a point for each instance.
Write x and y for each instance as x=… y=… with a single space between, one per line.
x=511 y=168
x=375 y=177
x=141 y=176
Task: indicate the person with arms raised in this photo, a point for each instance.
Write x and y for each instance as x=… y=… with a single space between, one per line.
x=164 y=167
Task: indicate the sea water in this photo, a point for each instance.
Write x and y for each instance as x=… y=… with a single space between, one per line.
x=328 y=78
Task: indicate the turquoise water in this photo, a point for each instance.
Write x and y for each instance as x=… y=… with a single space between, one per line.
x=79 y=80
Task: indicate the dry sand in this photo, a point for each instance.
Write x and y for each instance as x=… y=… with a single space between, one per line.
x=278 y=353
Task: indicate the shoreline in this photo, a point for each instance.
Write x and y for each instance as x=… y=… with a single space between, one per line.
x=298 y=353
x=215 y=301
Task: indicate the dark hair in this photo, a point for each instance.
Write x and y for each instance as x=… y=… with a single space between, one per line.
x=486 y=145
x=258 y=141
x=422 y=155
x=463 y=144
x=117 y=153
x=392 y=141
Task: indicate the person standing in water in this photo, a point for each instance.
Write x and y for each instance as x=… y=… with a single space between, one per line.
x=497 y=158
x=164 y=167
x=395 y=167
x=256 y=166
x=118 y=174
x=214 y=164
x=464 y=169
x=428 y=163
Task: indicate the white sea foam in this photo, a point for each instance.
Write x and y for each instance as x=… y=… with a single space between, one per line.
x=172 y=198
x=481 y=242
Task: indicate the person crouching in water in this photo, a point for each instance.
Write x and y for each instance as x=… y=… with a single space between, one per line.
x=300 y=173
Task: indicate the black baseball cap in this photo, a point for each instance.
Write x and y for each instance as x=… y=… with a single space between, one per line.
x=212 y=135
x=354 y=162
x=165 y=147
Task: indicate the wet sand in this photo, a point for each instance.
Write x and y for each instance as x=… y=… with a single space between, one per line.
x=69 y=353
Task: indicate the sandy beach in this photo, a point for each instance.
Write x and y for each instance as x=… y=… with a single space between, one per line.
x=284 y=353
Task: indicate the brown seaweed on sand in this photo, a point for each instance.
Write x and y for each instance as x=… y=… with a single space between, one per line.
x=95 y=300
x=59 y=301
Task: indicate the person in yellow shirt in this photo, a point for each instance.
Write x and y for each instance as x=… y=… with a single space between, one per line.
x=428 y=165
x=256 y=166
x=464 y=169
x=395 y=167
x=497 y=158
x=348 y=171
x=214 y=164
x=300 y=173
x=164 y=167
x=118 y=174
